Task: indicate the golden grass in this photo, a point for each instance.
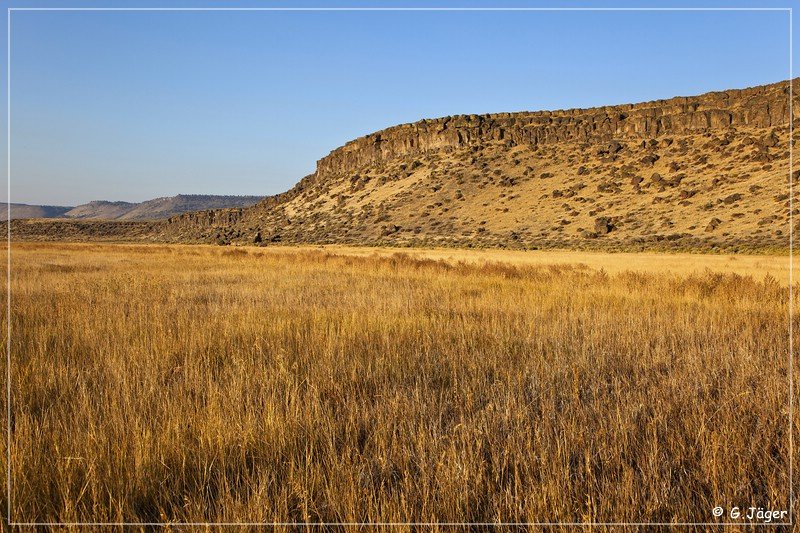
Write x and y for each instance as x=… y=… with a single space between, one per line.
x=176 y=383
x=684 y=264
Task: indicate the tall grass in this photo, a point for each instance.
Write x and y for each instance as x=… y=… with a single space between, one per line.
x=156 y=383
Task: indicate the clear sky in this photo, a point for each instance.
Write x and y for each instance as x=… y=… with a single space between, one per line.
x=135 y=105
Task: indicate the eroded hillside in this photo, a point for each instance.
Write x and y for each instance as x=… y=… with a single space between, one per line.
x=692 y=172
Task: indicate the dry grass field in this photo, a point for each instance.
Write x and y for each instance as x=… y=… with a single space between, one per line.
x=175 y=383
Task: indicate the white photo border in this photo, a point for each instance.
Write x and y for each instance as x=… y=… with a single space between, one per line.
x=11 y=523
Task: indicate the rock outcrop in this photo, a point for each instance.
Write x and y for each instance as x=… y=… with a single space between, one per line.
x=761 y=107
x=693 y=173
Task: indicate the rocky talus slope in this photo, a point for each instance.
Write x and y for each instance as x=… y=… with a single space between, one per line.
x=704 y=172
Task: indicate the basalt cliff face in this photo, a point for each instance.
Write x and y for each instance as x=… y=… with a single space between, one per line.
x=701 y=172
x=759 y=107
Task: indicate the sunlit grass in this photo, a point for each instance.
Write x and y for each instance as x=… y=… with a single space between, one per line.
x=158 y=383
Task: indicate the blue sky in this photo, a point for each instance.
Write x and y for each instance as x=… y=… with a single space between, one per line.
x=136 y=105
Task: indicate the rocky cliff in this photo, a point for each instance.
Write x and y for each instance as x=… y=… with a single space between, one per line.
x=697 y=173
x=760 y=107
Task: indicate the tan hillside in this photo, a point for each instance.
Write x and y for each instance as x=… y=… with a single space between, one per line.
x=101 y=210
x=158 y=208
x=701 y=172
x=15 y=211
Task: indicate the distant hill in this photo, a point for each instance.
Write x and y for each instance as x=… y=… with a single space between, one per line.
x=101 y=209
x=34 y=211
x=185 y=203
x=156 y=209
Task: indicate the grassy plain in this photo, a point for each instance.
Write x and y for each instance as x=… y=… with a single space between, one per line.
x=190 y=383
